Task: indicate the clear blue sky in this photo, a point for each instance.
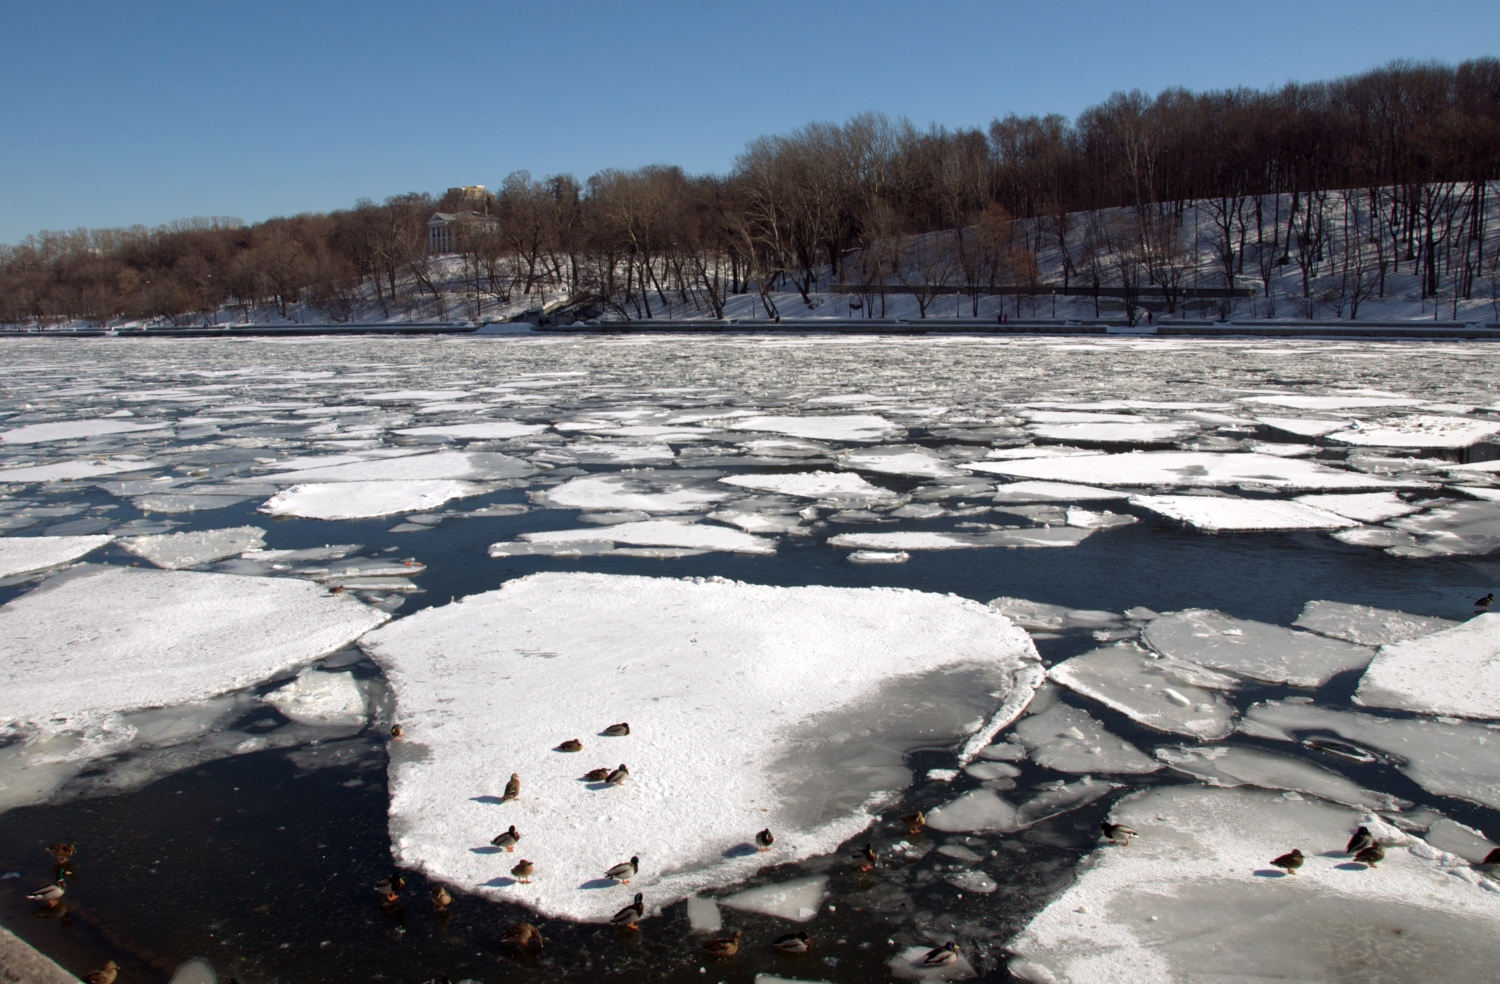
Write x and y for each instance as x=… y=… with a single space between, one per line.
x=123 y=112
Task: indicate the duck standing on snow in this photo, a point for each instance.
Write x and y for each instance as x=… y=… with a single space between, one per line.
x=618 y=776
x=628 y=916
x=1117 y=833
x=793 y=943
x=523 y=871
x=512 y=788
x=1362 y=839
x=507 y=839
x=1290 y=862
x=765 y=839
x=624 y=871
x=616 y=730
x=724 y=947
x=1371 y=856
x=49 y=894
x=942 y=956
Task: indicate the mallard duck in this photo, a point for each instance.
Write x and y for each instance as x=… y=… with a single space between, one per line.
x=942 y=956
x=793 y=943
x=1291 y=862
x=512 y=788
x=397 y=731
x=1117 y=833
x=1483 y=604
x=915 y=822
x=441 y=899
x=596 y=775
x=524 y=935
x=336 y=590
x=765 y=839
x=389 y=886
x=104 y=975
x=624 y=871
x=1371 y=856
x=618 y=776
x=628 y=916
x=1362 y=839
x=616 y=730
x=49 y=893
x=61 y=853
x=507 y=839
x=571 y=745
x=865 y=858
x=523 y=871
x=724 y=947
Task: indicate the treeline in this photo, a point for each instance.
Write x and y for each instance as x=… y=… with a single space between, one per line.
x=1405 y=153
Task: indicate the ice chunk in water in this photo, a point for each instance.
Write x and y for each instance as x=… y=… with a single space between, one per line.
x=1462 y=528
x=1194 y=899
x=72 y=430
x=1455 y=671
x=1367 y=507
x=1227 y=513
x=1159 y=693
x=797 y=900
x=1235 y=766
x=703 y=914
x=977 y=809
x=636 y=492
x=1056 y=536
x=1069 y=740
x=1123 y=430
x=473 y=466
x=174 y=551
x=840 y=486
x=26 y=554
x=850 y=427
x=1187 y=468
x=1255 y=650
x=879 y=557
x=316 y=697
x=360 y=500
x=485 y=430
x=972 y=881
x=1419 y=431
x=662 y=533
x=826 y=687
x=901 y=459
x=1455 y=838
x=1364 y=625
x=1055 y=802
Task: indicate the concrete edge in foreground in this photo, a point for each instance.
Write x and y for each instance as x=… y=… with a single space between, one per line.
x=21 y=963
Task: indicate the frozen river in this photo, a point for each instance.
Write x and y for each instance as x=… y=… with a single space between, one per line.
x=1221 y=591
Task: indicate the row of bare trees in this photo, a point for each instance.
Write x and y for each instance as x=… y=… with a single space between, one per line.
x=1357 y=179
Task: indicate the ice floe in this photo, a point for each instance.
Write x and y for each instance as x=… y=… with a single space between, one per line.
x=813 y=485
x=1067 y=739
x=474 y=466
x=1123 y=431
x=744 y=701
x=1164 y=694
x=1186 y=468
x=1231 y=513
x=1303 y=426
x=360 y=500
x=174 y=551
x=634 y=492
x=912 y=460
x=1419 y=431
x=1194 y=899
x=1460 y=528
x=173 y=637
x=651 y=533
x=1366 y=507
x=1053 y=492
x=71 y=471
x=27 y=554
x=798 y=900
x=316 y=697
x=487 y=430
x=72 y=430
x=1454 y=671
x=846 y=427
x=1039 y=536
x=1255 y=650
x=986 y=810
x=1364 y=625
x=879 y=557
x=1233 y=765
x=1349 y=401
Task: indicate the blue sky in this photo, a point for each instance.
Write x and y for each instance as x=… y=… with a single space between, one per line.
x=118 y=113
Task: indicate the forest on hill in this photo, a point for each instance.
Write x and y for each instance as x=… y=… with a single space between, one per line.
x=1405 y=156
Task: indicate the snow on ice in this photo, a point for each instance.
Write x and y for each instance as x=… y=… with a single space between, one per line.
x=1164 y=694
x=361 y=500
x=1229 y=513
x=174 y=551
x=1254 y=650
x=1455 y=671
x=1186 y=468
x=28 y=554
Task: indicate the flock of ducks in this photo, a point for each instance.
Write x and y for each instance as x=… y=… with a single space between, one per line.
x=1362 y=845
x=62 y=870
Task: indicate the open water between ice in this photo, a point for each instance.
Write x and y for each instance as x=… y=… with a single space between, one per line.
x=249 y=829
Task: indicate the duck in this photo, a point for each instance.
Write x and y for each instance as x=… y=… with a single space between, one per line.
x=397 y=732
x=618 y=776
x=523 y=871
x=104 y=975
x=1290 y=862
x=942 y=956
x=1362 y=839
x=336 y=590
x=507 y=839
x=389 y=886
x=915 y=822
x=61 y=853
x=512 y=788
x=765 y=839
x=524 y=935
x=793 y=943
x=865 y=858
x=616 y=730
x=1117 y=833
x=49 y=894
x=1483 y=604
x=1371 y=856
x=628 y=916
x=724 y=947
x=596 y=775
x=571 y=745
x=624 y=871
x=441 y=899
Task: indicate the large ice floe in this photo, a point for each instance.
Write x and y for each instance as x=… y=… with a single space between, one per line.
x=103 y=640
x=1455 y=672
x=1460 y=528
x=749 y=707
x=1165 y=694
x=473 y=466
x=1186 y=468
x=72 y=430
x=678 y=534
x=1194 y=898
x=846 y=427
x=1068 y=739
x=174 y=551
x=360 y=500
x=28 y=554
x=641 y=492
x=1419 y=431
x=813 y=485
x=1037 y=536
x=1254 y=650
x=1230 y=513
x=1365 y=625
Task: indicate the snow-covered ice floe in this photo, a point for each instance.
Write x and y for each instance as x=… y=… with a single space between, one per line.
x=845 y=427
x=1231 y=513
x=361 y=500
x=639 y=492
x=28 y=554
x=1460 y=528
x=1365 y=625
x=317 y=697
x=1067 y=739
x=986 y=810
x=1233 y=765
x=484 y=430
x=813 y=485
x=1187 y=468
x=473 y=466
x=1254 y=650
x=1455 y=671
x=1053 y=492
x=72 y=430
x=900 y=459
x=1124 y=430
x=1164 y=694
x=1193 y=898
x=106 y=640
x=174 y=551
x=72 y=471
x=749 y=706
x=649 y=533
x=1419 y=431
x=1038 y=536
x=1366 y=507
